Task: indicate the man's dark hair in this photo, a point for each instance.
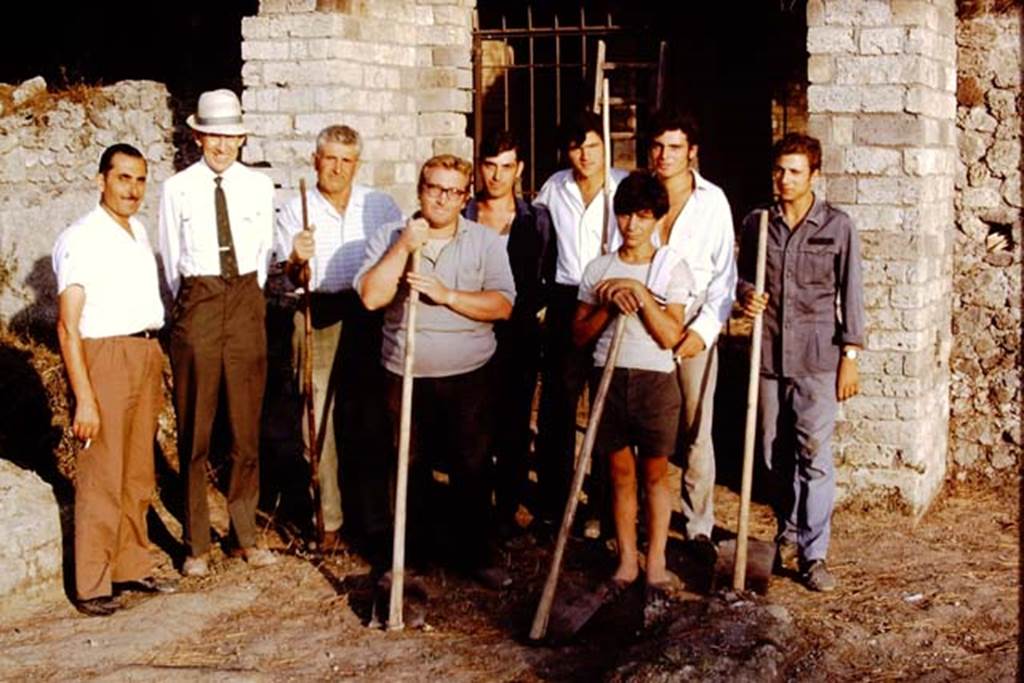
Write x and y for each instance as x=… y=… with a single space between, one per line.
x=107 y=158
x=497 y=142
x=641 y=191
x=574 y=131
x=666 y=120
x=799 y=143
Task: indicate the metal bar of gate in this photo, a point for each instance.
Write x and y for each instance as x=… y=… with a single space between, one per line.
x=533 y=103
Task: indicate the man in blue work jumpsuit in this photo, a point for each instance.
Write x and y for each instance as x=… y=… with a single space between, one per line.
x=813 y=309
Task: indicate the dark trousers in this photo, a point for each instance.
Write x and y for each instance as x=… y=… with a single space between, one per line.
x=218 y=339
x=450 y=432
x=566 y=370
x=515 y=366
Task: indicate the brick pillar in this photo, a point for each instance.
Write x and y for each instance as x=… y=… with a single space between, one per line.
x=398 y=71
x=882 y=100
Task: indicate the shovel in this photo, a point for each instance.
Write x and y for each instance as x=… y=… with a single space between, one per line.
x=577 y=613
x=395 y=616
x=750 y=559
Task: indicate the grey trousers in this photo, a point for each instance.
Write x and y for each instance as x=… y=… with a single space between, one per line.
x=796 y=417
x=697 y=379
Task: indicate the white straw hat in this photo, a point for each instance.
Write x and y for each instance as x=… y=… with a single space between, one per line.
x=218 y=112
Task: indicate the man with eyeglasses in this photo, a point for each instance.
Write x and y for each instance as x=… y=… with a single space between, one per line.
x=465 y=284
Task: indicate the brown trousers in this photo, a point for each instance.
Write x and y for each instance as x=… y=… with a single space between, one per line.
x=114 y=480
x=218 y=338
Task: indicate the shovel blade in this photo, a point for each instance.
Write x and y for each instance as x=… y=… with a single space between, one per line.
x=570 y=614
x=760 y=560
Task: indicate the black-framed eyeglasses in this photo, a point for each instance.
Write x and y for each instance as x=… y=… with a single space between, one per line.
x=447 y=193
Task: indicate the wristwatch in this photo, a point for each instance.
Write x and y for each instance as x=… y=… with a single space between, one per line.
x=850 y=353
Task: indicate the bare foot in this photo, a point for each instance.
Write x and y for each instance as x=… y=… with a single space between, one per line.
x=626 y=572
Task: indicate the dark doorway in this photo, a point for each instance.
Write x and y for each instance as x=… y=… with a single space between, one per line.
x=735 y=66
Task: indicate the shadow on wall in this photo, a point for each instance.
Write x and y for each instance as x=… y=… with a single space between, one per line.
x=38 y=319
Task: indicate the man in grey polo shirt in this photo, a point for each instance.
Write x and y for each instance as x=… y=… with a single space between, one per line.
x=465 y=284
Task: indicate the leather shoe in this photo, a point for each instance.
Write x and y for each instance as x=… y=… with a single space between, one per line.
x=147 y=584
x=332 y=542
x=259 y=557
x=99 y=607
x=195 y=566
x=703 y=550
x=494 y=577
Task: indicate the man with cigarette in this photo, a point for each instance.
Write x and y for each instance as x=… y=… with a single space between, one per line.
x=108 y=320
x=465 y=284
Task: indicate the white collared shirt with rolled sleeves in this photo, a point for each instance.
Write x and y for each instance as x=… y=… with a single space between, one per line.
x=116 y=270
x=579 y=229
x=704 y=237
x=188 y=222
x=340 y=238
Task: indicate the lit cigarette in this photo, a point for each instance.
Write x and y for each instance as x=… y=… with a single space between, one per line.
x=88 y=442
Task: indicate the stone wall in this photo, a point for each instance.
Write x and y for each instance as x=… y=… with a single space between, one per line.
x=985 y=425
x=398 y=71
x=50 y=147
x=31 y=554
x=882 y=79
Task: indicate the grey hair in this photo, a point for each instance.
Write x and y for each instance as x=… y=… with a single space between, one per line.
x=344 y=135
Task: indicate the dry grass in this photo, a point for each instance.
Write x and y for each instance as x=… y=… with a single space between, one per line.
x=40 y=104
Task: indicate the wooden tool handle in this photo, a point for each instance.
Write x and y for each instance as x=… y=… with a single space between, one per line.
x=402 y=479
x=540 y=618
x=739 y=570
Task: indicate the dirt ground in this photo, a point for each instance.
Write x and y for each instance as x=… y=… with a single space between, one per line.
x=937 y=601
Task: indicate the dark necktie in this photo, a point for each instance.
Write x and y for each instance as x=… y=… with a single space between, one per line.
x=228 y=262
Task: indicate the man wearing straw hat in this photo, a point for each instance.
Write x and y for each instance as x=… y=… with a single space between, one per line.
x=216 y=232
x=813 y=308
x=466 y=285
x=342 y=215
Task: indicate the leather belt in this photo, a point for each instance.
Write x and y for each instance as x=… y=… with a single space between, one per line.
x=145 y=334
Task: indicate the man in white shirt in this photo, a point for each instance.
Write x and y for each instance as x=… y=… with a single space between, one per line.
x=584 y=228
x=216 y=232
x=342 y=215
x=108 y=320
x=699 y=228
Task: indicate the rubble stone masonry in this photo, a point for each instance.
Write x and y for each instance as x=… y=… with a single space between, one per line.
x=50 y=146
x=985 y=396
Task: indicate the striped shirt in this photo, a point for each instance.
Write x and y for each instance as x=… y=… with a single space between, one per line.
x=340 y=238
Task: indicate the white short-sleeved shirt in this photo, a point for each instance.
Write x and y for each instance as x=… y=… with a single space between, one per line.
x=639 y=350
x=116 y=270
x=579 y=229
x=188 y=222
x=340 y=238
